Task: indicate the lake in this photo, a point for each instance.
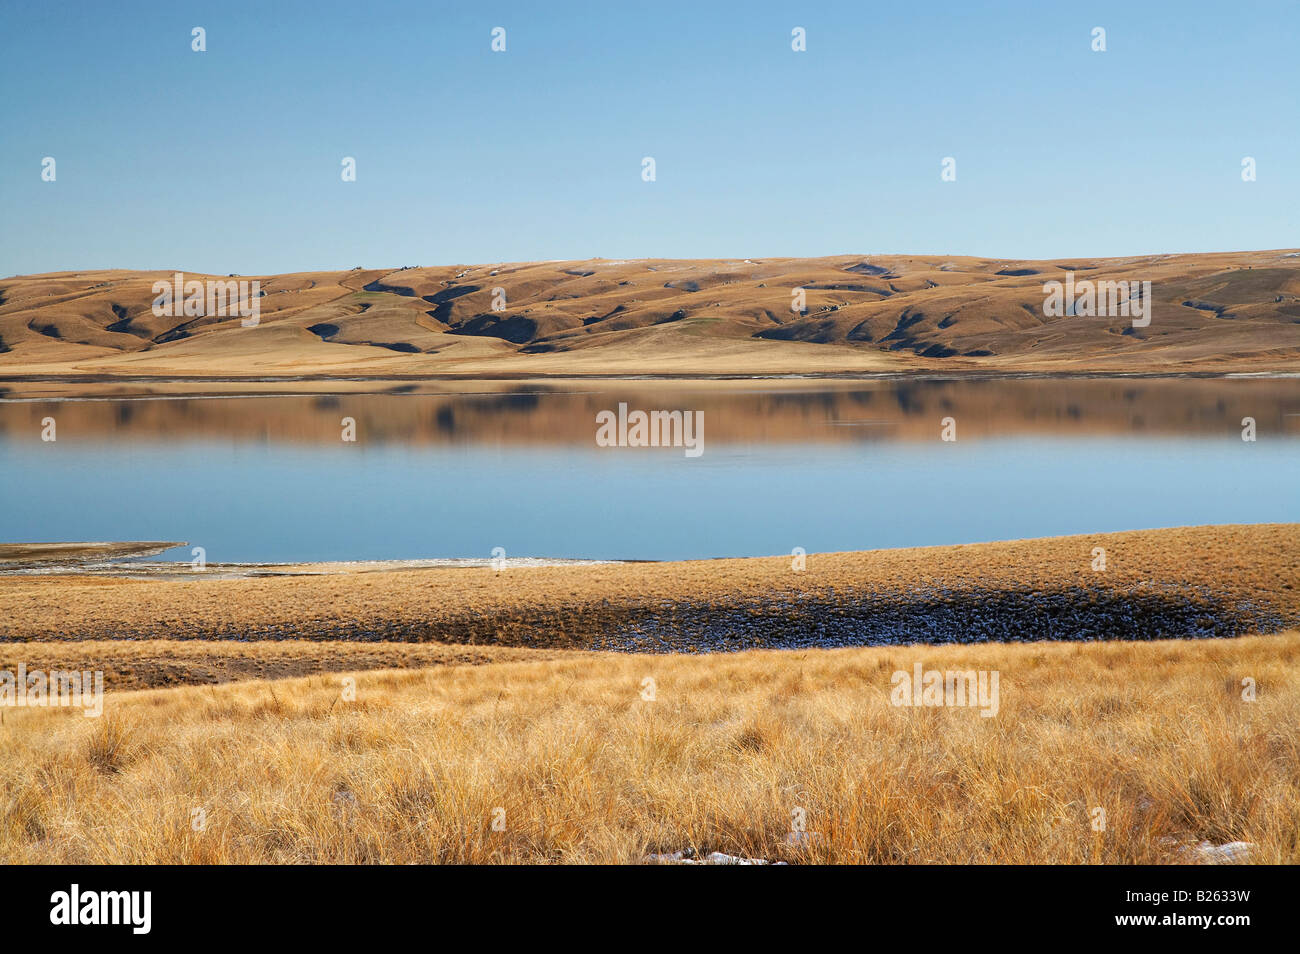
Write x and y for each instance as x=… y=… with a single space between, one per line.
x=454 y=471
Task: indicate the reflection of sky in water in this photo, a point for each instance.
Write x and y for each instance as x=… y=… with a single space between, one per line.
x=269 y=501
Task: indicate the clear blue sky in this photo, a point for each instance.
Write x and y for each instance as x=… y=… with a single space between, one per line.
x=229 y=160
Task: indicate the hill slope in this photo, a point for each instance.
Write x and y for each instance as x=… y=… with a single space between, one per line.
x=1214 y=312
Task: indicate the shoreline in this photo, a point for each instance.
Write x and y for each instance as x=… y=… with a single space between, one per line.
x=1202 y=582
x=25 y=390
x=966 y=374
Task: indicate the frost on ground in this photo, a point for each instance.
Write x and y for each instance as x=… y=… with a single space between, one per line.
x=937 y=614
x=1208 y=853
x=688 y=857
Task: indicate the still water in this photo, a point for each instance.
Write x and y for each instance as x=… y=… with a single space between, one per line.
x=456 y=472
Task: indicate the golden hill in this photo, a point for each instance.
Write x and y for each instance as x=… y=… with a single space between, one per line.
x=1211 y=312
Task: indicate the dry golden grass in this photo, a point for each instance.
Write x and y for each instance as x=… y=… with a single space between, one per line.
x=585 y=770
x=577 y=606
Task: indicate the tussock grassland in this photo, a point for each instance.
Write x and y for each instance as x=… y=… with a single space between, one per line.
x=586 y=770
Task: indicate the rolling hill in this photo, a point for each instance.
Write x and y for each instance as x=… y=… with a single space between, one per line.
x=1211 y=312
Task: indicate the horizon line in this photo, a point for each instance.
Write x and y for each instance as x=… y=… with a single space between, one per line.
x=599 y=258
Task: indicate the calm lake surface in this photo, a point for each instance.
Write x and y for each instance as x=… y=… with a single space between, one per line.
x=455 y=472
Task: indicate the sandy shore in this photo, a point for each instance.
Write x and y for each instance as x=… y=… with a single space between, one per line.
x=37 y=554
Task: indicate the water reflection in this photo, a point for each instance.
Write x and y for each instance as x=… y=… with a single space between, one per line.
x=758 y=412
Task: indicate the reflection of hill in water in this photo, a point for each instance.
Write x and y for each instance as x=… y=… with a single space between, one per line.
x=826 y=412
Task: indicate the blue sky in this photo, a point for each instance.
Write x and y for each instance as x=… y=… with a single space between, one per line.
x=229 y=160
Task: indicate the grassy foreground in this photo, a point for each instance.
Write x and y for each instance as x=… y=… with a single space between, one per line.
x=576 y=766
